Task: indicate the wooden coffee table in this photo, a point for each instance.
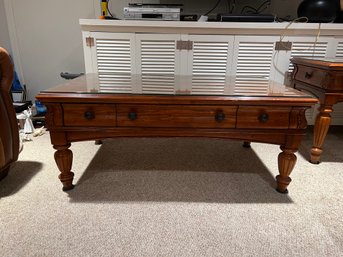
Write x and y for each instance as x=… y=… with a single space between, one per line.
x=324 y=79
x=78 y=110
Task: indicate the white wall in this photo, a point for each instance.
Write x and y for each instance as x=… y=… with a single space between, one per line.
x=4 y=35
x=48 y=37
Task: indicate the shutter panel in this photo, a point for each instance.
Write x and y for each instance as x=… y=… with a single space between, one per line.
x=307 y=49
x=209 y=66
x=158 y=66
x=157 y=63
x=339 y=52
x=114 y=62
x=254 y=61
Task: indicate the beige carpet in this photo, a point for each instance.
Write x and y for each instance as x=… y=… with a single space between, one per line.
x=172 y=197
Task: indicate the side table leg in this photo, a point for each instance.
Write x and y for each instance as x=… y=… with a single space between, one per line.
x=64 y=158
x=4 y=173
x=286 y=163
x=246 y=144
x=321 y=128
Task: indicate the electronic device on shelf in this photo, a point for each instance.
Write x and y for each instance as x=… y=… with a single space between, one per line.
x=154 y=5
x=188 y=17
x=246 y=18
x=167 y=12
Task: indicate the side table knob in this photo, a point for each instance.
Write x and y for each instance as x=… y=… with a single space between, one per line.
x=220 y=116
x=89 y=115
x=132 y=115
x=264 y=117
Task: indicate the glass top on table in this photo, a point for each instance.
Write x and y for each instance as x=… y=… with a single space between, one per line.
x=320 y=61
x=170 y=84
x=323 y=59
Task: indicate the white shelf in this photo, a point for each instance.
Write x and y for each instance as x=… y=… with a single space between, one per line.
x=218 y=28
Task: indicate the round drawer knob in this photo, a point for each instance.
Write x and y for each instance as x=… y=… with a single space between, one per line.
x=264 y=117
x=132 y=115
x=308 y=75
x=89 y=115
x=220 y=116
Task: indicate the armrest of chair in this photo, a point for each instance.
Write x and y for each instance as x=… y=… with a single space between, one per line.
x=9 y=133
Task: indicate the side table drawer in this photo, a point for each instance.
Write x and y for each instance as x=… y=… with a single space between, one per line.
x=89 y=114
x=311 y=76
x=263 y=117
x=188 y=116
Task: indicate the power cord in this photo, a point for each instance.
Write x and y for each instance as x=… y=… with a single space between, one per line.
x=287 y=48
x=215 y=6
x=294 y=21
x=257 y=10
x=108 y=9
x=230 y=9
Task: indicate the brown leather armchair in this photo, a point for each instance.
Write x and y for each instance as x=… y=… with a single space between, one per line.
x=9 y=136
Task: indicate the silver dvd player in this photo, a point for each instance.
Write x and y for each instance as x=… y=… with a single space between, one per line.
x=152 y=13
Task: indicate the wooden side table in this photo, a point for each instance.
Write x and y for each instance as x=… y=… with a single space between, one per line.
x=324 y=79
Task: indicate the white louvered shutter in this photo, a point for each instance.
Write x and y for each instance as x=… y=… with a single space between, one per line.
x=307 y=49
x=299 y=47
x=157 y=63
x=339 y=51
x=114 y=55
x=210 y=64
x=253 y=58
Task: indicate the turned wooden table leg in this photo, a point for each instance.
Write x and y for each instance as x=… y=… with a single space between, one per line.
x=286 y=163
x=64 y=158
x=321 y=128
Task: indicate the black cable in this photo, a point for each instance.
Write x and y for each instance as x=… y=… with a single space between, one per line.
x=108 y=10
x=268 y=2
x=279 y=19
x=233 y=6
x=246 y=7
x=213 y=8
x=256 y=10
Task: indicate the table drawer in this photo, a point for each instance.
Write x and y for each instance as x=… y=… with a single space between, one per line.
x=263 y=117
x=313 y=76
x=89 y=114
x=176 y=116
